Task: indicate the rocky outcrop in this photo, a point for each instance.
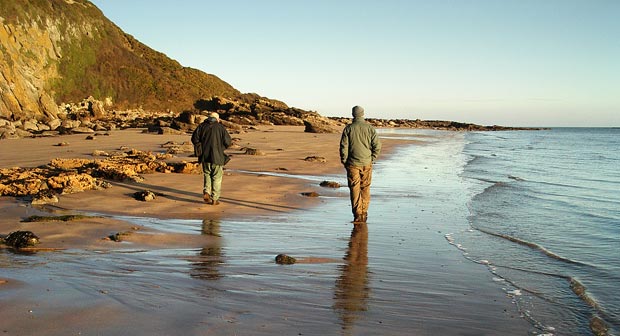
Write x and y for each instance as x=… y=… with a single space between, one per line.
x=183 y=167
x=238 y=116
x=68 y=176
x=432 y=124
x=318 y=159
x=284 y=259
x=318 y=126
x=33 y=181
x=253 y=110
x=252 y=151
x=28 y=60
x=90 y=116
x=20 y=239
x=144 y=195
x=330 y=184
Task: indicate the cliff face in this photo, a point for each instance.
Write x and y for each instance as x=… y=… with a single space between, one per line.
x=61 y=51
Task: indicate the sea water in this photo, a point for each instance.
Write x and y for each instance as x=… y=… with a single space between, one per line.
x=545 y=216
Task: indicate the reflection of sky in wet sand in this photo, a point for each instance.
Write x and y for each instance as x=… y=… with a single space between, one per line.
x=351 y=292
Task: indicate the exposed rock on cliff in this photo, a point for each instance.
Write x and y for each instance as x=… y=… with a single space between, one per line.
x=61 y=51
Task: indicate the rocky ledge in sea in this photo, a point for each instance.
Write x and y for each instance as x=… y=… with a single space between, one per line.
x=433 y=124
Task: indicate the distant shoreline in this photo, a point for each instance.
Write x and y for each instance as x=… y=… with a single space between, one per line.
x=437 y=124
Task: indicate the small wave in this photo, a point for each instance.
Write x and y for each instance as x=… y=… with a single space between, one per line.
x=492 y=135
x=600 y=208
x=497 y=185
x=474 y=159
x=579 y=289
x=531 y=245
x=492 y=182
x=515 y=292
x=597 y=322
x=516 y=178
x=450 y=240
x=564 y=185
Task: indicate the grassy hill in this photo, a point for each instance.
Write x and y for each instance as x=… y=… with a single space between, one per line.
x=56 y=51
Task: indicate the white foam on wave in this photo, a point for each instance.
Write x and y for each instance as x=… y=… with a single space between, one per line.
x=516 y=292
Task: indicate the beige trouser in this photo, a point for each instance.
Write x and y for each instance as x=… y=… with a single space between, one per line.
x=359 y=179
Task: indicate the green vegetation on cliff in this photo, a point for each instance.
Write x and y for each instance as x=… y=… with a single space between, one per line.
x=87 y=55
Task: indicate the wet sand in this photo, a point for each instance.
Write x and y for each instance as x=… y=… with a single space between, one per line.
x=192 y=268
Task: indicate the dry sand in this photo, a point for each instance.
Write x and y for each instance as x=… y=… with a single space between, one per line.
x=248 y=190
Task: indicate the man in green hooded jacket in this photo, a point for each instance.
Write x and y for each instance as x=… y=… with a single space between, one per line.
x=359 y=148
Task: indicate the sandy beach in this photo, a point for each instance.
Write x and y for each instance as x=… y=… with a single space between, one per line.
x=69 y=286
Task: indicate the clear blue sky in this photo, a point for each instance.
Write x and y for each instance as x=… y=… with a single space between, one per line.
x=517 y=63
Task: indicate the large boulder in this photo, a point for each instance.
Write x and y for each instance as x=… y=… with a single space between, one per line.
x=318 y=126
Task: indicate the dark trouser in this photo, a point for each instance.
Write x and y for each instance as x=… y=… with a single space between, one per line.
x=359 y=179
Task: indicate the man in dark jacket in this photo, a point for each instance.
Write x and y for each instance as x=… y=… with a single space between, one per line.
x=359 y=148
x=210 y=139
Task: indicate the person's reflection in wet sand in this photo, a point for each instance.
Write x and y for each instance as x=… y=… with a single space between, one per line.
x=206 y=265
x=352 y=289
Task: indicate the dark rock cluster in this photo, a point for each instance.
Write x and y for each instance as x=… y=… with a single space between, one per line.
x=284 y=259
x=20 y=239
x=318 y=159
x=330 y=184
x=144 y=195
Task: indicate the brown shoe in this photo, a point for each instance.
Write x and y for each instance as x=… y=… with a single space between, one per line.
x=207 y=198
x=359 y=219
x=215 y=202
